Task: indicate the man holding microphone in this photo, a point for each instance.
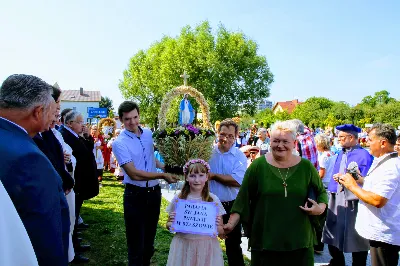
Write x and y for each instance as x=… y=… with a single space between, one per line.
x=378 y=218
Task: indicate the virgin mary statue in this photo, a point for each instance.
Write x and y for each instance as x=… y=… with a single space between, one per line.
x=186 y=111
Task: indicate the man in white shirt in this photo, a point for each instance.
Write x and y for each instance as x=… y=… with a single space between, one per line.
x=228 y=165
x=134 y=150
x=378 y=218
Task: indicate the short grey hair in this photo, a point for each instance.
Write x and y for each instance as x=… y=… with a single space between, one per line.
x=298 y=125
x=286 y=126
x=21 y=91
x=385 y=131
x=71 y=116
x=263 y=129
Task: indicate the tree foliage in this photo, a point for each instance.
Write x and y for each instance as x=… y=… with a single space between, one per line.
x=322 y=112
x=225 y=67
x=106 y=102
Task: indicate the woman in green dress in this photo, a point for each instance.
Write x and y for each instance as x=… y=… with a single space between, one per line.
x=272 y=204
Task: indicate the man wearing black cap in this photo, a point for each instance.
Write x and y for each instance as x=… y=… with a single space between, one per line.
x=339 y=230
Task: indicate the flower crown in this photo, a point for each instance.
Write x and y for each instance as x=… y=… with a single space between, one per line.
x=186 y=166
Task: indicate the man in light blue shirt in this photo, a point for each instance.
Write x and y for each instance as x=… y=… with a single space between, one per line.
x=228 y=165
x=134 y=150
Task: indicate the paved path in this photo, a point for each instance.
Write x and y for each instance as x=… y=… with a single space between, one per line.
x=320 y=260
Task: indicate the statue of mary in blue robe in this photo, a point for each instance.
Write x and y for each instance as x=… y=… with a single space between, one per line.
x=186 y=112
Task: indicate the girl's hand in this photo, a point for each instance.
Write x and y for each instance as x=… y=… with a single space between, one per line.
x=171 y=217
x=218 y=221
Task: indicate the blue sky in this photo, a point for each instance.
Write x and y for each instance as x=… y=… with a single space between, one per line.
x=343 y=50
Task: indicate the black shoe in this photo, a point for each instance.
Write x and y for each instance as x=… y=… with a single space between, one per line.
x=80 y=259
x=82 y=248
x=82 y=226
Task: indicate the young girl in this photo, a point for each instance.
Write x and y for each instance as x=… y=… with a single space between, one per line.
x=190 y=249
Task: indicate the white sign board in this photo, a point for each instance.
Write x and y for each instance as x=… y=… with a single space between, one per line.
x=194 y=217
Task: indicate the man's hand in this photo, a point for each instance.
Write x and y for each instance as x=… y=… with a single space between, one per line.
x=85 y=130
x=67 y=158
x=347 y=181
x=336 y=177
x=170 y=178
x=210 y=176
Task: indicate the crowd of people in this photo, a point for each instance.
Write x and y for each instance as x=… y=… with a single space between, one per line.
x=48 y=171
x=291 y=189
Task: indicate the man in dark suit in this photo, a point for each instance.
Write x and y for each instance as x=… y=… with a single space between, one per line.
x=86 y=182
x=35 y=188
x=51 y=147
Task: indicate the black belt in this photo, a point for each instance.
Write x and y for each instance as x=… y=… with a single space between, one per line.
x=143 y=189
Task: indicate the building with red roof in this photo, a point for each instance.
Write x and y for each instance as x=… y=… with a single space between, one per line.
x=288 y=106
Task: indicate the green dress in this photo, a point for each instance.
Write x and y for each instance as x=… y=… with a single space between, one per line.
x=275 y=222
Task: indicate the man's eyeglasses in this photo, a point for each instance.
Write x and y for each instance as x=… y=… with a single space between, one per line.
x=222 y=135
x=79 y=122
x=343 y=137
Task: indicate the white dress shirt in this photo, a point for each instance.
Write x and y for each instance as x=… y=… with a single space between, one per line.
x=140 y=151
x=233 y=163
x=382 y=224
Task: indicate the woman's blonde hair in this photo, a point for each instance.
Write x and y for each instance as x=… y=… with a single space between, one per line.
x=285 y=126
x=322 y=141
x=196 y=168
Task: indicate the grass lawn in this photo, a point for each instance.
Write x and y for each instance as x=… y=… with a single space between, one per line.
x=106 y=234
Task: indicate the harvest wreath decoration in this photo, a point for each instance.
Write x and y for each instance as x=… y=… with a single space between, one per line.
x=107 y=127
x=177 y=145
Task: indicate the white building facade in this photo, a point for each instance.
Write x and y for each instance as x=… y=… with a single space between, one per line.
x=80 y=101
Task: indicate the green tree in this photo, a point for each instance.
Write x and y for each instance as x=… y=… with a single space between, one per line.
x=332 y=121
x=266 y=116
x=388 y=113
x=106 y=102
x=225 y=68
x=379 y=98
x=282 y=116
x=313 y=111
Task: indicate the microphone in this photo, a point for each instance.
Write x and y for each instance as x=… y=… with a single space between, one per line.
x=352 y=169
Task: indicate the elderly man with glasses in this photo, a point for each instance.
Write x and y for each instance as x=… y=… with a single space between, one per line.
x=339 y=230
x=228 y=165
x=86 y=182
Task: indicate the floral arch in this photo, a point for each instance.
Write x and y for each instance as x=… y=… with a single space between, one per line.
x=198 y=96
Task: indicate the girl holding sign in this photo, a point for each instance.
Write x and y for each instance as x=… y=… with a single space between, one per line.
x=195 y=249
